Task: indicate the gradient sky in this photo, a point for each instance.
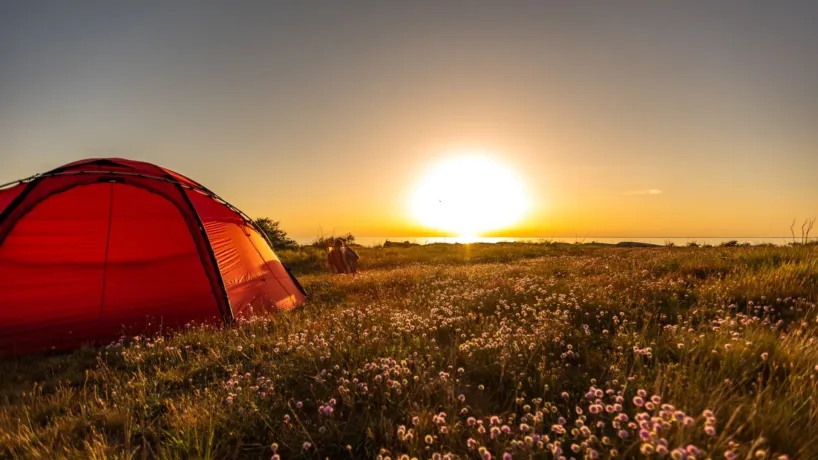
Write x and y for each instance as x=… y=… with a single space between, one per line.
x=322 y=114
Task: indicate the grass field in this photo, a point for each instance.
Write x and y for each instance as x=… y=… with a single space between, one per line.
x=475 y=351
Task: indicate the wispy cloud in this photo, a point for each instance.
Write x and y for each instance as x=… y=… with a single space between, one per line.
x=652 y=191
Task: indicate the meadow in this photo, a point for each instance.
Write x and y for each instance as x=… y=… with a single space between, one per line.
x=461 y=351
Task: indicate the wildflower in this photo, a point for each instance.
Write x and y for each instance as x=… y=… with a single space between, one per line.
x=299 y=404
x=306 y=446
x=646 y=449
x=710 y=430
x=661 y=450
x=471 y=443
x=730 y=455
x=484 y=453
x=764 y=356
x=415 y=421
x=506 y=456
x=429 y=439
x=471 y=421
x=623 y=434
x=494 y=420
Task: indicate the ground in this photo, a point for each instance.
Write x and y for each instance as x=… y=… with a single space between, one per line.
x=526 y=350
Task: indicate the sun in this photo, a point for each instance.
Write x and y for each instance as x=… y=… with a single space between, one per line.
x=469 y=194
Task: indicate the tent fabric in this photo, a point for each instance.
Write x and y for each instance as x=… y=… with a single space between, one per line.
x=122 y=248
x=124 y=165
x=254 y=276
x=254 y=280
x=8 y=195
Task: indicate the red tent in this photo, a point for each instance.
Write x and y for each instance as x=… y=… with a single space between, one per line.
x=102 y=248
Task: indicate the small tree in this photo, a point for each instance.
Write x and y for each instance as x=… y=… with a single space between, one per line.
x=327 y=241
x=277 y=236
x=806 y=228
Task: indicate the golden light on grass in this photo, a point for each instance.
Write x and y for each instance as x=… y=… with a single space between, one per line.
x=469 y=193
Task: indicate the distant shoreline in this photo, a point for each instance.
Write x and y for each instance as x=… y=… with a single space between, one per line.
x=372 y=241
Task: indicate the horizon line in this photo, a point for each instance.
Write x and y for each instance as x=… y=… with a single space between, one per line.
x=580 y=236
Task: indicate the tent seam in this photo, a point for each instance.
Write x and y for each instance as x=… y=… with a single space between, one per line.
x=227 y=316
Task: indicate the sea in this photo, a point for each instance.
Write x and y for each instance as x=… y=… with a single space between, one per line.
x=371 y=241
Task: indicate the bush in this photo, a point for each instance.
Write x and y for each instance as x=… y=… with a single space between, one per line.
x=304 y=260
x=327 y=241
x=275 y=234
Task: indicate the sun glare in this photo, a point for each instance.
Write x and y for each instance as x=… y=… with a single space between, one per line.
x=469 y=194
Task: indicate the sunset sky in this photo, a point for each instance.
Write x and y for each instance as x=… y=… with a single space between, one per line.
x=619 y=118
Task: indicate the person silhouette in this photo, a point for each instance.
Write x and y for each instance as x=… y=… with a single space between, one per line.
x=342 y=258
x=351 y=257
